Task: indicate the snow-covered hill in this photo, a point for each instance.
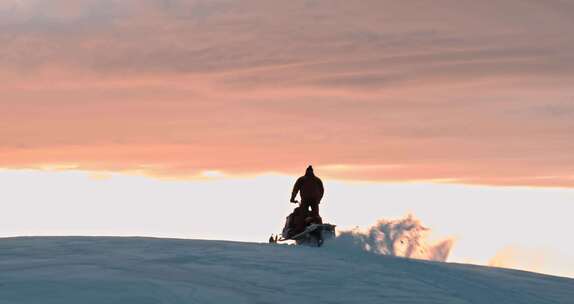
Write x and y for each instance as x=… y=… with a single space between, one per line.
x=145 y=270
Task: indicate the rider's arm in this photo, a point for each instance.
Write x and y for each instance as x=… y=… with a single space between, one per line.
x=296 y=189
x=321 y=189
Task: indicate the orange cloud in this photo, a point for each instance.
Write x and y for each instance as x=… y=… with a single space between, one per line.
x=176 y=88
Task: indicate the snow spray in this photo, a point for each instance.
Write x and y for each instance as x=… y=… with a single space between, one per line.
x=405 y=237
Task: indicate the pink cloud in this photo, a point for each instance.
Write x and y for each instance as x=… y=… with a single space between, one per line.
x=176 y=87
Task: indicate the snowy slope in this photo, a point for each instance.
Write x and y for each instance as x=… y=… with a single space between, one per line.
x=146 y=270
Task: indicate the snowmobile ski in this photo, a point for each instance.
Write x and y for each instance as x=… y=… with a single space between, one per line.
x=314 y=235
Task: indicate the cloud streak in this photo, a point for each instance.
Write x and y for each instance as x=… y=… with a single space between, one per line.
x=443 y=92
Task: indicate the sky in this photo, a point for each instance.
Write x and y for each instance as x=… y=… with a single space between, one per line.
x=439 y=93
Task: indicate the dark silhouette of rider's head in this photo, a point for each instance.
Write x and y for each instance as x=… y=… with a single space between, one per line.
x=309 y=171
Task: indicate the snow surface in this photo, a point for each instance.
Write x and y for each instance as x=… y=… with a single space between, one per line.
x=146 y=270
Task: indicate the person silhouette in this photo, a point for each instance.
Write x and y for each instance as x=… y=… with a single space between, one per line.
x=311 y=190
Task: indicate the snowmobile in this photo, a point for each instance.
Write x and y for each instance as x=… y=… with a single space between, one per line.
x=314 y=233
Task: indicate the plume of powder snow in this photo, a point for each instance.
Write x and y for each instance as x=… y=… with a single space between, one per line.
x=405 y=237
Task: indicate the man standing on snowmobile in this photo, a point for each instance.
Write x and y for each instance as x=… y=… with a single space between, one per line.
x=311 y=191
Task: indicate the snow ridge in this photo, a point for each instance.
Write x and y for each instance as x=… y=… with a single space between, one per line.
x=90 y=270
